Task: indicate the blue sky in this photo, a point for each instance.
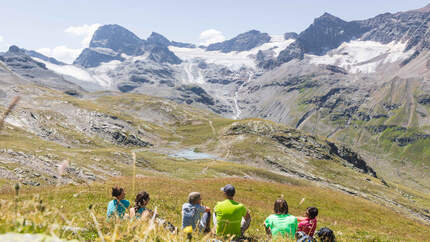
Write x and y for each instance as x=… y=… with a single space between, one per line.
x=61 y=28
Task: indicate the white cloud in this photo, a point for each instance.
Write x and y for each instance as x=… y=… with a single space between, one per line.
x=211 y=36
x=66 y=54
x=85 y=31
x=62 y=53
x=1 y=38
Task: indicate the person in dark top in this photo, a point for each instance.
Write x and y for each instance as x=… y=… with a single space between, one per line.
x=142 y=199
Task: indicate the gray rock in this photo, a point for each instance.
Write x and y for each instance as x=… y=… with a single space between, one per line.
x=242 y=42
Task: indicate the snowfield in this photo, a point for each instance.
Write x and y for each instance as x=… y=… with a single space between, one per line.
x=234 y=60
x=362 y=56
x=91 y=78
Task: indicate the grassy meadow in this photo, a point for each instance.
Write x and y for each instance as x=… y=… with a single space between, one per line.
x=54 y=210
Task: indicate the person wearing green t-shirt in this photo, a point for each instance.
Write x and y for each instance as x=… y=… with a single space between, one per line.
x=230 y=217
x=281 y=223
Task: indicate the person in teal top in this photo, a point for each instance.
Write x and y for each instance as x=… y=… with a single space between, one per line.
x=118 y=206
x=142 y=199
x=281 y=223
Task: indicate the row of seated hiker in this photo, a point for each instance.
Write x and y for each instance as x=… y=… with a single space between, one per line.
x=230 y=218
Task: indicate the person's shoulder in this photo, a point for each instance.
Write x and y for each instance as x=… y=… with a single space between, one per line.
x=185 y=205
x=126 y=203
x=220 y=204
x=198 y=206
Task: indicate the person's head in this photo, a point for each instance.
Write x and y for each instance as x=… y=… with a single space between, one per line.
x=229 y=191
x=280 y=206
x=311 y=212
x=142 y=199
x=326 y=235
x=118 y=192
x=194 y=198
x=301 y=236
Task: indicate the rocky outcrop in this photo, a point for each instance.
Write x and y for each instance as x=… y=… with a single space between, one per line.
x=242 y=42
x=162 y=54
x=36 y=54
x=424 y=99
x=93 y=57
x=193 y=93
x=291 y=35
x=351 y=157
x=293 y=51
x=306 y=144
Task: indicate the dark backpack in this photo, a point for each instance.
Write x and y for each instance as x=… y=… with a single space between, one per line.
x=326 y=235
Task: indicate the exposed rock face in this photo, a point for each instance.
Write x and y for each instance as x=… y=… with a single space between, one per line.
x=17 y=58
x=33 y=71
x=306 y=144
x=182 y=45
x=118 y=39
x=157 y=39
x=351 y=157
x=162 y=54
x=411 y=26
x=93 y=57
x=36 y=54
x=192 y=93
x=242 y=42
x=291 y=35
x=328 y=32
x=424 y=99
x=293 y=51
x=110 y=42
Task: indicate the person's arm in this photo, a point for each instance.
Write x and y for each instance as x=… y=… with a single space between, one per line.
x=247 y=215
x=268 y=231
x=300 y=219
x=267 y=227
x=132 y=213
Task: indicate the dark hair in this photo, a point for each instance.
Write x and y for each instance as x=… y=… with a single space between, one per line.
x=281 y=206
x=326 y=235
x=141 y=198
x=117 y=191
x=312 y=212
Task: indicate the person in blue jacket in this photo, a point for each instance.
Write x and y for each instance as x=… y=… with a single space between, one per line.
x=118 y=205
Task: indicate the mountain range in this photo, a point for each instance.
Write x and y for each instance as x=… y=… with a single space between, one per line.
x=361 y=86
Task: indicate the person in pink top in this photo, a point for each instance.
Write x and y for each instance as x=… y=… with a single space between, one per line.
x=308 y=224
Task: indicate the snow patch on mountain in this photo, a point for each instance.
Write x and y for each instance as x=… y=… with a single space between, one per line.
x=91 y=79
x=234 y=60
x=193 y=74
x=362 y=56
